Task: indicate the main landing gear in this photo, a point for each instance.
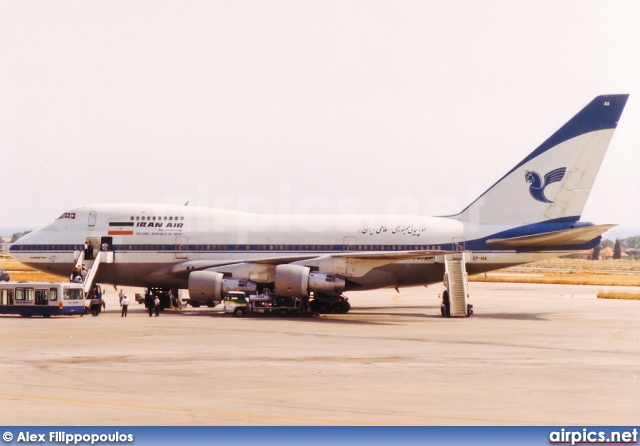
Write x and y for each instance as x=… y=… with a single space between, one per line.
x=329 y=304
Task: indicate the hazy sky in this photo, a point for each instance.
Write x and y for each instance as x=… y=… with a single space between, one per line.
x=303 y=106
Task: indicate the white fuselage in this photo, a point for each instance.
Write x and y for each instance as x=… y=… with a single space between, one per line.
x=146 y=239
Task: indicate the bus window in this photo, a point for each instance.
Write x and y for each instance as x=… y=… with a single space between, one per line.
x=53 y=294
x=24 y=295
x=73 y=294
x=4 y=298
x=10 y=297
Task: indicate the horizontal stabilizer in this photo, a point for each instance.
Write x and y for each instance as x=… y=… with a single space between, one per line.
x=566 y=237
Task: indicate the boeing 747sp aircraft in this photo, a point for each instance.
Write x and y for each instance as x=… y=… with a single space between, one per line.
x=531 y=213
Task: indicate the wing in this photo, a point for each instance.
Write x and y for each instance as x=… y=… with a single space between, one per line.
x=348 y=263
x=554 y=176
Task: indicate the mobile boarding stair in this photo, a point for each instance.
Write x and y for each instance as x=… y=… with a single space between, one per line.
x=92 y=269
x=454 y=300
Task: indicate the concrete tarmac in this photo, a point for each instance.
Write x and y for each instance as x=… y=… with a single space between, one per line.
x=531 y=355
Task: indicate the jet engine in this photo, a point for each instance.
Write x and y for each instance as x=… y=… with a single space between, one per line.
x=298 y=281
x=209 y=285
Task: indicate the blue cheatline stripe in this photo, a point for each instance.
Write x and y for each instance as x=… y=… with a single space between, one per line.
x=204 y=248
x=470 y=245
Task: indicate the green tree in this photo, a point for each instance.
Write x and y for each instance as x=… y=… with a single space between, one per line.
x=630 y=242
x=606 y=243
x=17 y=235
x=596 y=253
x=617 y=250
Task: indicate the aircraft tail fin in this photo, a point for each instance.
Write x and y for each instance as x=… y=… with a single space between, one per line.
x=554 y=181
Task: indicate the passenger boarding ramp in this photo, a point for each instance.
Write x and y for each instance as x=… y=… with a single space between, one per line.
x=92 y=266
x=456 y=281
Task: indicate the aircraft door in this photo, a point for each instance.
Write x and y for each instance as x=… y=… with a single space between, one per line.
x=41 y=297
x=349 y=243
x=94 y=246
x=182 y=248
x=458 y=245
x=93 y=215
x=108 y=241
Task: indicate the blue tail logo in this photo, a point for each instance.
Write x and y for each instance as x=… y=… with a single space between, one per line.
x=538 y=186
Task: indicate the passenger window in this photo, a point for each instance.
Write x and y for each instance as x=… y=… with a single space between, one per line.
x=53 y=294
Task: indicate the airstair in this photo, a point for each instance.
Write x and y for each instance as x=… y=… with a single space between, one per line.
x=455 y=280
x=92 y=266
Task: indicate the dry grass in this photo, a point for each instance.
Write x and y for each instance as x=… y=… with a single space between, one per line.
x=613 y=295
x=22 y=273
x=569 y=278
x=569 y=272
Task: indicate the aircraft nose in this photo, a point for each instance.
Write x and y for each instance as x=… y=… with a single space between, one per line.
x=18 y=248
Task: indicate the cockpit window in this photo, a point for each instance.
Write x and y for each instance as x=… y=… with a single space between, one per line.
x=71 y=215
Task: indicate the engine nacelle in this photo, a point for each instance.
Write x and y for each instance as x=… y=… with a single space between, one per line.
x=231 y=284
x=205 y=285
x=292 y=280
x=298 y=281
x=331 y=284
x=210 y=285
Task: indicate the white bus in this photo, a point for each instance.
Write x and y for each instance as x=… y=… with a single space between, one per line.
x=44 y=299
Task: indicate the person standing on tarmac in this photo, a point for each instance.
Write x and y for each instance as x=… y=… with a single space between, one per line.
x=156 y=305
x=148 y=302
x=121 y=296
x=124 y=303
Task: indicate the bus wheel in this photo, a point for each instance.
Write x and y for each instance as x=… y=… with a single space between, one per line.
x=283 y=312
x=46 y=315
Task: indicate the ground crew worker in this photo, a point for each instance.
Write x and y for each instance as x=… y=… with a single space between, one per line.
x=148 y=302
x=125 y=306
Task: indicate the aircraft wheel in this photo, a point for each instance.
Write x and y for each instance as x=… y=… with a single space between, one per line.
x=318 y=306
x=239 y=312
x=341 y=307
